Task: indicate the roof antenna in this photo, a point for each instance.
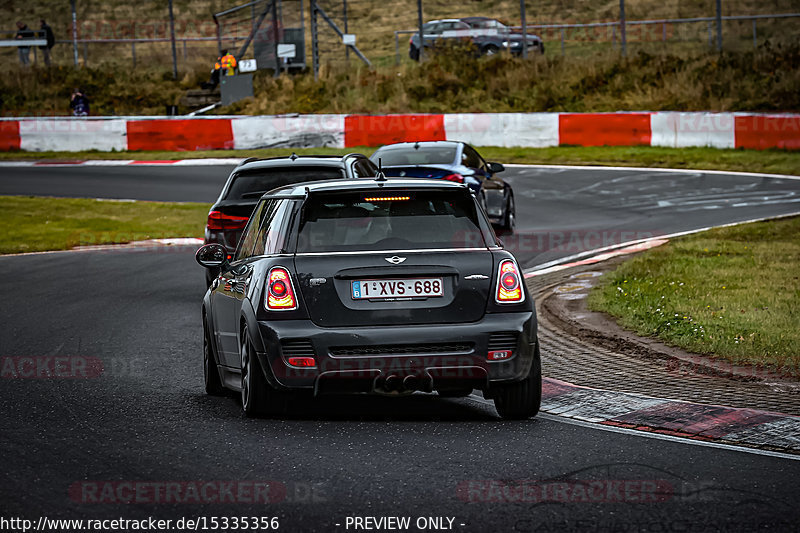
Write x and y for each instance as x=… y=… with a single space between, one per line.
x=381 y=176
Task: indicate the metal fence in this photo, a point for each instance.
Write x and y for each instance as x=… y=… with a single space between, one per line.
x=272 y=31
x=711 y=32
x=319 y=31
x=329 y=34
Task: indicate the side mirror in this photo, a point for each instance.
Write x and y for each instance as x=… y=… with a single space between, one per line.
x=211 y=256
x=494 y=168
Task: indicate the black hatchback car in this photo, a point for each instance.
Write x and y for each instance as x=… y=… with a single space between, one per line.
x=253 y=177
x=376 y=286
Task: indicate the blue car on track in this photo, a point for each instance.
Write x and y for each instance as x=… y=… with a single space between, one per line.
x=453 y=161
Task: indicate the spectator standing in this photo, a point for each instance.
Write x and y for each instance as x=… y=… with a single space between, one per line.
x=24 y=32
x=79 y=103
x=51 y=41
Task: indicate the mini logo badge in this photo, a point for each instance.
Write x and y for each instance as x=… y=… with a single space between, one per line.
x=395 y=260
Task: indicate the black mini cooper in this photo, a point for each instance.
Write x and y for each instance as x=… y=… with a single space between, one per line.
x=377 y=286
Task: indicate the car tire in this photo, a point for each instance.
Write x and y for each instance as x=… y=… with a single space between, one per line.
x=255 y=389
x=521 y=400
x=510 y=216
x=413 y=53
x=211 y=378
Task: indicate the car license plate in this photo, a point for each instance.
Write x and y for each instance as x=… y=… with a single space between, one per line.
x=370 y=289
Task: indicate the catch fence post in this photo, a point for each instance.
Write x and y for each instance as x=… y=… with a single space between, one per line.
x=74 y=32
x=346 y=48
x=421 y=34
x=524 y=29
x=172 y=40
x=314 y=40
x=622 y=30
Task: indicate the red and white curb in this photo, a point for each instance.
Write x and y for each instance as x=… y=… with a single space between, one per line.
x=533 y=130
x=749 y=427
x=597 y=256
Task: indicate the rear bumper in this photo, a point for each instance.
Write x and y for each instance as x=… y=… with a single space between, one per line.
x=360 y=359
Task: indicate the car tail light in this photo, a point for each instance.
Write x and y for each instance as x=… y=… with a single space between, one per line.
x=458 y=178
x=280 y=292
x=498 y=355
x=217 y=220
x=509 y=283
x=302 y=362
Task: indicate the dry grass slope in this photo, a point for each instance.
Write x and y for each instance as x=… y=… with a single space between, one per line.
x=591 y=77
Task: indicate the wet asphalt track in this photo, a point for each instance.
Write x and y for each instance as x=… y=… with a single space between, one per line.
x=145 y=418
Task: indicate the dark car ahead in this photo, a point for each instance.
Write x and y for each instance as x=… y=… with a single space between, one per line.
x=374 y=286
x=253 y=177
x=433 y=31
x=492 y=36
x=489 y=36
x=453 y=161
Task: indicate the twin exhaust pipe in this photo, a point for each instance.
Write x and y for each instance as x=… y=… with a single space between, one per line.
x=408 y=383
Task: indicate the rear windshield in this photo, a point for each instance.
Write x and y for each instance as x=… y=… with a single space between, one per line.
x=250 y=185
x=389 y=220
x=423 y=155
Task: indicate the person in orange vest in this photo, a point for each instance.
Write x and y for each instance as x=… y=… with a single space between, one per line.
x=212 y=83
x=228 y=63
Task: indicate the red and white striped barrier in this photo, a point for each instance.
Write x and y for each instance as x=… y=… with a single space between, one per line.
x=534 y=130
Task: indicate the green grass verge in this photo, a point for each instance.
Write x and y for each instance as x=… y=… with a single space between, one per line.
x=729 y=292
x=39 y=224
x=767 y=161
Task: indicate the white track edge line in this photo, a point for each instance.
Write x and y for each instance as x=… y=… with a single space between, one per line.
x=649 y=435
x=597 y=251
x=646 y=169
